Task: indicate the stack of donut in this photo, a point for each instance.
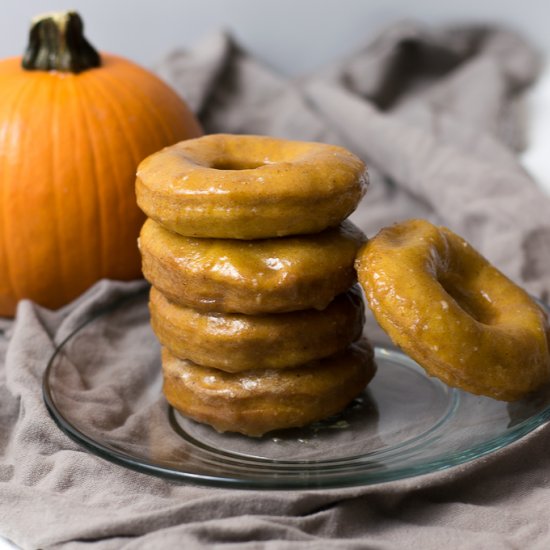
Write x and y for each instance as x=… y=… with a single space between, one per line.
x=251 y=263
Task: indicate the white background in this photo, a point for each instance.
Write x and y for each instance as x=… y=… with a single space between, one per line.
x=293 y=36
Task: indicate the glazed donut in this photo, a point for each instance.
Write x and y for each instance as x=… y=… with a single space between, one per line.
x=265 y=276
x=249 y=187
x=258 y=401
x=234 y=342
x=454 y=313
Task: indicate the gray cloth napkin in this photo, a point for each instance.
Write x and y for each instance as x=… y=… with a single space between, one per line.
x=437 y=116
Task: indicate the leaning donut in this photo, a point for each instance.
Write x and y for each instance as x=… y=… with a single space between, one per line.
x=258 y=401
x=235 y=342
x=453 y=312
x=265 y=276
x=249 y=187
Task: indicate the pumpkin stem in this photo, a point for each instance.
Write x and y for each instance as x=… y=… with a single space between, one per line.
x=57 y=43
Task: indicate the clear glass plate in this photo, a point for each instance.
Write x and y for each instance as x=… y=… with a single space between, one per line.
x=404 y=425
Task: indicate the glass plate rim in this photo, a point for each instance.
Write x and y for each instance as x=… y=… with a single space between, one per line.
x=353 y=479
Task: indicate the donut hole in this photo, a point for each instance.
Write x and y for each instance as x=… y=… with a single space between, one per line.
x=475 y=304
x=236 y=164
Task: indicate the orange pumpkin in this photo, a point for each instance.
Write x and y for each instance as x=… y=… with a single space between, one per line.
x=73 y=128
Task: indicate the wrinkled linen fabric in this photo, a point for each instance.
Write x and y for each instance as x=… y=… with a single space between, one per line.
x=437 y=115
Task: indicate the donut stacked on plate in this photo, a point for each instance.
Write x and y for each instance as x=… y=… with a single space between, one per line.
x=252 y=266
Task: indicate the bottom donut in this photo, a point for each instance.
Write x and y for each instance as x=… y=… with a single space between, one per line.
x=255 y=402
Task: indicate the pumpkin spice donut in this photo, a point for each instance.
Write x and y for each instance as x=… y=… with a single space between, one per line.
x=264 y=276
x=454 y=313
x=234 y=342
x=258 y=401
x=249 y=187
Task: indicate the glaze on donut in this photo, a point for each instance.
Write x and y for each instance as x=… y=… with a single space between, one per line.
x=258 y=401
x=253 y=277
x=234 y=342
x=454 y=313
x=249 y=187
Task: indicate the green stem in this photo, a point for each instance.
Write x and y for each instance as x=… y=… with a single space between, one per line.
x=57 y=43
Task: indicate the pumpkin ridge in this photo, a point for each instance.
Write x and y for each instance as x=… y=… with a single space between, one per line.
x=77 y=108
x=119 y=116
x=160 y=125
x=9 y=276
x=64 y=274
x=25 y=90
x=121 y=91
x=118 y=181
x=94 y=164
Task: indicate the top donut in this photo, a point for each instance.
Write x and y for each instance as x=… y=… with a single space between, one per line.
x=249 y=187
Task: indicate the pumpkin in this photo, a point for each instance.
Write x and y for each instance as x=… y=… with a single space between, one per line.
x=74 y=125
